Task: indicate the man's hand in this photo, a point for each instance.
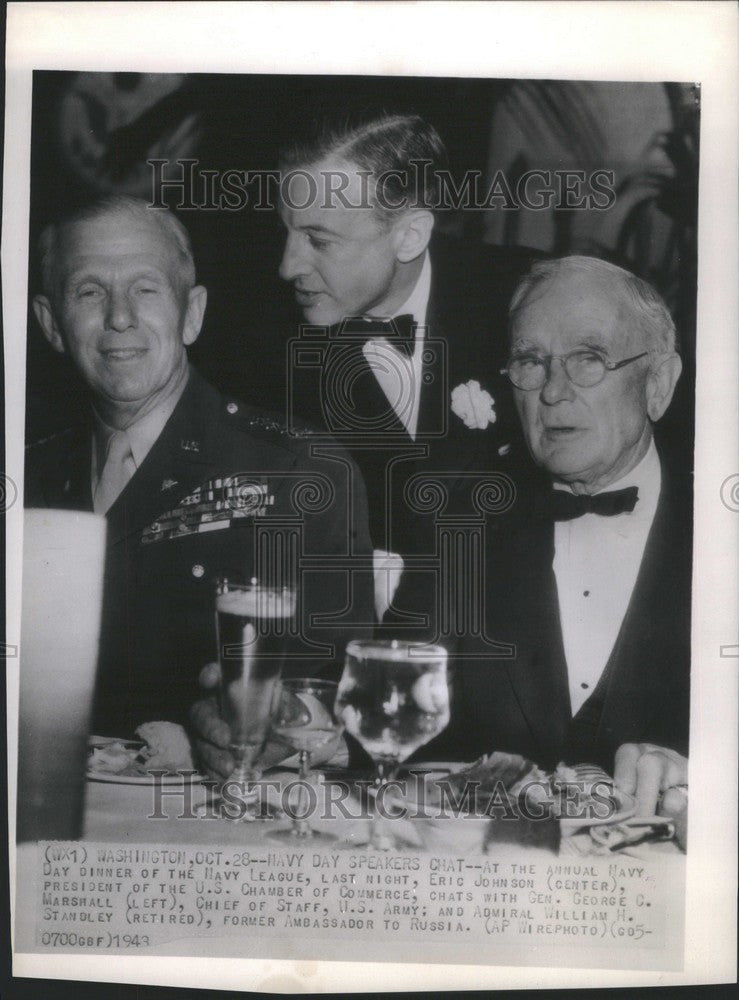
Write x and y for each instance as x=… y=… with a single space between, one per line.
x=658 y=779
x=212 y=735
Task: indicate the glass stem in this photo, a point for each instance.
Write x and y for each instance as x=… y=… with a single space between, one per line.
x=245 y=770
x=381 y=835
x=301 y=827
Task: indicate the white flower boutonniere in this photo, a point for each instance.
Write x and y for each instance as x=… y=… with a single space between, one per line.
x=473 y=405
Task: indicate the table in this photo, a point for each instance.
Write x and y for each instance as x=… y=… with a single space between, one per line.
x=184 y=813
x=233 y=890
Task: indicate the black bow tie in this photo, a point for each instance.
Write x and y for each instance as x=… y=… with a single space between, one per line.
x=400 y=331
x=565 y=506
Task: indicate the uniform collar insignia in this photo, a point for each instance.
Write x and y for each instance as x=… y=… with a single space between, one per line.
x=168 y=484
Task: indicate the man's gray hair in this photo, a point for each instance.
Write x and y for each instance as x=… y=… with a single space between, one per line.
x=650 y=313
x=116 y=205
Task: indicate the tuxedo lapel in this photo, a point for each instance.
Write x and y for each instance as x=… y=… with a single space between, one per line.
x=467 y=313
x=433 y=410
x=452 y=445
x=371 y=402
x=525 y=612
x=643 y=673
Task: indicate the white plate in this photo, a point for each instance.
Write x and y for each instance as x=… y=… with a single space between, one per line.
x=111 y=778
x=142 y=779
x=98 y=742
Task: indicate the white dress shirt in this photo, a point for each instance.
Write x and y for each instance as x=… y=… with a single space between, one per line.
x=141 y=434
x=596 y=562
x=400 y=376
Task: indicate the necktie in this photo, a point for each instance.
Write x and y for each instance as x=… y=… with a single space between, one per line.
x=118 y=469
x=399 y=331
x=565 y=506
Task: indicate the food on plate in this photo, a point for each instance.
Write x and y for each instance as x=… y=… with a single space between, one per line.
x=163 y=746
x=583 y=792
x=500 y=783
x=489 y=777
x=589 y=777
x=113 y=758
x=167 y=746
x=523 y=803
x=508 y=789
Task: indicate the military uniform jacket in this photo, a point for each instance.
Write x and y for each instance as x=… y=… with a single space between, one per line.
x=223 y=491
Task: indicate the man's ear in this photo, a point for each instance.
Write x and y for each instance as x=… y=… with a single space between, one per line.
x=45 y=315
x=661 y=383
x=413 y=234
x=197 y=299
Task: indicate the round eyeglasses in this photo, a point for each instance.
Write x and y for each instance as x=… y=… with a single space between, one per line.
x=583 y=368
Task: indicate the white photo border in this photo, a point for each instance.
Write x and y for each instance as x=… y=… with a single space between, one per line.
x=583 y=40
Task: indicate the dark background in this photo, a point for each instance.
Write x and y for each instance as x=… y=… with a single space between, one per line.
x=240 y=123
x=93 y=132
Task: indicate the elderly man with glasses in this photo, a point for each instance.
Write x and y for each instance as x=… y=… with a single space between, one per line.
x=587 y=576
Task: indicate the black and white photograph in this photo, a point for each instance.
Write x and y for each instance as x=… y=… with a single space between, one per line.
x=363 y=601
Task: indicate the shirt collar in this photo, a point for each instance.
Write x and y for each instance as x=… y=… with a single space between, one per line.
x=417 y=302
x=142 y=433
x=646 y=476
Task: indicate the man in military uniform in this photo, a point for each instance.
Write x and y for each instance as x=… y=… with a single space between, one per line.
x=193 y=485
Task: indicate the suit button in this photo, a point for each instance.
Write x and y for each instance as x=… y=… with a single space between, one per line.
x=232 y=407
x=198 y=570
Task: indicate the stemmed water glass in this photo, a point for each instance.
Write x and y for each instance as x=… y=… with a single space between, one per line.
x=305 y=720
x=393 y=698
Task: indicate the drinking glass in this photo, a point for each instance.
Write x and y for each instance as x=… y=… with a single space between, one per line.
x=63 y=567
x=393 y=698
x=253 y=623
x=305 y=720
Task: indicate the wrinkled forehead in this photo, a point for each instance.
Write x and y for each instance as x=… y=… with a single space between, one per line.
x=572 y=310
x=115 y=240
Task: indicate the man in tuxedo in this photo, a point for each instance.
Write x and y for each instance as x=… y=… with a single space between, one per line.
x=587 y=576
x=194 y=485
x=396 y=317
